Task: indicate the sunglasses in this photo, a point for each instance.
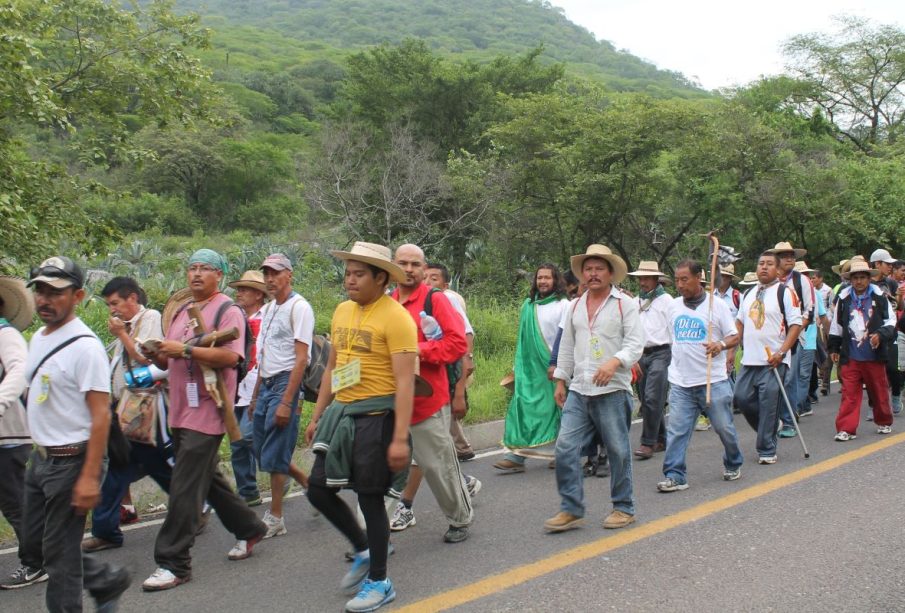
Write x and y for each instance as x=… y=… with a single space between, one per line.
x=54 y=271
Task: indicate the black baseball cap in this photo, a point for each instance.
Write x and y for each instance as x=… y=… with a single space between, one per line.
x=59 y=272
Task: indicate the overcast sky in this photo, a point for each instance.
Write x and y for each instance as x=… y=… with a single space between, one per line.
x=718 y=43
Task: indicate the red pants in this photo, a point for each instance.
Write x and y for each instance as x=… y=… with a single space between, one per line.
x=873 y=375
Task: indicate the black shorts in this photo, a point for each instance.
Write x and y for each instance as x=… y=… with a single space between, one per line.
x=370 y=473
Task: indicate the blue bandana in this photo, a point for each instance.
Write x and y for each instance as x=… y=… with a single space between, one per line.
x=211 y=258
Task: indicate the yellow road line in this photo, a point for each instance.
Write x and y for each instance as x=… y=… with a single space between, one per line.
x=521 y=574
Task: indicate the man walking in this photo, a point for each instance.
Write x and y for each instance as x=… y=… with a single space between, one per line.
x=862 y=328
x=360 y=425
x=532 y=419
x=198 y=427
x=690 y=316
x=653 y=304
x=602 y=339
x=432 y=446
x=69 y=418
x=768 y=323
x=883 y=263
x=283 y=350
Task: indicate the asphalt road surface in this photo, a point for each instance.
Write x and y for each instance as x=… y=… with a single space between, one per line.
x=823 y=534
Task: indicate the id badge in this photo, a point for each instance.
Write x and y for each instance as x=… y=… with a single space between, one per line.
x=596 y=349
x=346 y=376
x=45 y=389
x=191 y=392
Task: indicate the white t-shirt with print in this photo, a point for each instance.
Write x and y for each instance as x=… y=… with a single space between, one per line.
x=276 y=341
x=58 y=412
x=688 y=330
x=764 y=326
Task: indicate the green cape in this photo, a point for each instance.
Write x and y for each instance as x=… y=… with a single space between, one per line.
x=532 y=419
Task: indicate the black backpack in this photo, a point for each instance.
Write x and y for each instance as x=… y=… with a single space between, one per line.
x=454 y=370
x=242 y=366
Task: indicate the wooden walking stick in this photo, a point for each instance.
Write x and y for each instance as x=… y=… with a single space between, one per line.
x=714 y=258
x=213 y=378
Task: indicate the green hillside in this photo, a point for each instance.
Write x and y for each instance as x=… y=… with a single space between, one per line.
x=276 y=31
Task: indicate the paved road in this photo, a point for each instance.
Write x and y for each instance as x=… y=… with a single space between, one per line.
x=810 y=535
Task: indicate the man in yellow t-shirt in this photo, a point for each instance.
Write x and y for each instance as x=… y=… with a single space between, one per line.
x=361 y=420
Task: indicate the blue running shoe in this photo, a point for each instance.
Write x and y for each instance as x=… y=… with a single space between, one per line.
x=373 y=595
x=361 y=564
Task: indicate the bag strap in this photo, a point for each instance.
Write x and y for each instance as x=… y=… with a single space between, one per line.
x=49 y=355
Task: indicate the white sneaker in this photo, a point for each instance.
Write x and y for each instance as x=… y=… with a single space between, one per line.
x=770 y=459
x=402 y=518
x=275 y=525
x=884 y=429
x=161 y=579
x=472 y=484
x=844 y=436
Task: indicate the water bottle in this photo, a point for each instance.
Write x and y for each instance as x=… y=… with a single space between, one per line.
x=144 y=376
x=430 y=327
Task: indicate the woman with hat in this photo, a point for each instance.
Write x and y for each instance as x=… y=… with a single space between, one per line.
x=17 y=308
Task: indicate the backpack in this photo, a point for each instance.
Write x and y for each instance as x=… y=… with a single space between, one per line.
x=317 y=364
x=796 y=283
x=454 y=370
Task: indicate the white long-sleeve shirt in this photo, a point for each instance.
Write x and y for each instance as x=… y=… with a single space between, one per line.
x=655 y=319
x=613 y=331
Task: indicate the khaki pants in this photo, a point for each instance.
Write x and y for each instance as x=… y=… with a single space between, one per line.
x=435 y=453
x=458 y=435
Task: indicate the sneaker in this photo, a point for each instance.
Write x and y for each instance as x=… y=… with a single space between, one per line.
x=456 y=534
x=844 y=436
x=603 y=467
x=787 y=432
x=90 y=545
x=870 y=416
x=702 y=425
x=351 y=582
x=767 y=459
x=808 y=411
x=402 y=518
x=162 y=579
x=23 y=577
x=563 y=521
x=466 y=457
x=253 y=501
x=243 y=549
x=732 y=475
x=671 y=485
x=206 y=510
x=618 y=519
x=884 y=429
x=349 y=556
x=509 y=467
x=275 y=525
x=896 y=402
x=372 y=596
x=107 y=601
x=812 y=397
x=590 y=468
x=473 y=484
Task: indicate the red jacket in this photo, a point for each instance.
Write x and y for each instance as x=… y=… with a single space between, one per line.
x=435 y=355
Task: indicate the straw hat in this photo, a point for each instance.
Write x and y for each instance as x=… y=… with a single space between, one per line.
x=749 y=279
x=787 y=246
x=179 y=298
x=860 y=266
x=647 y=268
x=838 y=268
x=802 y=267
x=252 y=279
x=18 y=303
x=620 y=270
x=728 y=269
x=375 y=255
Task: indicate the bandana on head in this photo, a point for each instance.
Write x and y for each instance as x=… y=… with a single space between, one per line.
x=211 y=258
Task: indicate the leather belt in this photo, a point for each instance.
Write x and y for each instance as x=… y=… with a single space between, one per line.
x=62 y=451
x=648 y=350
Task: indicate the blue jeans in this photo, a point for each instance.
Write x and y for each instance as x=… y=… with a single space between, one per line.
x=274 y=446
x=790 y=382
x=805 y=365
x=685 y=404
x=243 y=456
x=610 y=415
x=757 y=395
x=144 y=460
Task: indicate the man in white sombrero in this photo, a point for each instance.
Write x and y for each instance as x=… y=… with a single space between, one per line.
x=862 y=328
x=17 y=308
x=602 y=339
x=653 y=303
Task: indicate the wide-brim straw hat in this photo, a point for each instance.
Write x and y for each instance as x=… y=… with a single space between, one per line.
x=252 y=279
x=860 y=266
x=787 y=246
x=802 y=267
x=620 y=270
x=728 y=269
x=844 y=265
x=837 y=268
x=647 y=268
x=750 y=278
x=179 y=298
x=18 y=302
x=375 y=255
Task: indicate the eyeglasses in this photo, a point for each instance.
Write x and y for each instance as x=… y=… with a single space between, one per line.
x=202 y=268
x=53 y=271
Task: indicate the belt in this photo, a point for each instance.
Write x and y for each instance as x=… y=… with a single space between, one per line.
x=648 y=350
x=62 y=451
x=269 y=381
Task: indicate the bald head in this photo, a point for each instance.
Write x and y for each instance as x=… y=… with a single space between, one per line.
x=410 y=258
